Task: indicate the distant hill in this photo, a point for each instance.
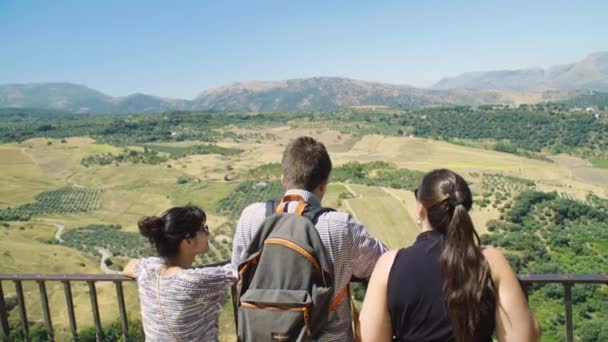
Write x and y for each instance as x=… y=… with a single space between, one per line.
x=321 y=93
x=318 y=93
x=589 y=74
x=76 y=98
x=141 y=103
x=60 y=96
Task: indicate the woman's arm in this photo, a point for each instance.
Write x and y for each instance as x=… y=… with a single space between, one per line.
x=129 y=269
x=375 y=318
x=215 y=277
x=515 y=320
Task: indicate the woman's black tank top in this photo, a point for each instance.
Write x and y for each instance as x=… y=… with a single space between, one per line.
x=415 y=296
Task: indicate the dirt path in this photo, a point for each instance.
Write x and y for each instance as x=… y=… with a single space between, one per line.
x=59 y=231
x=24 y=150
x=350 y=210
x=399 y=200
x=105 y=254
x=347 y=186
x=69 y=180
x=59 y=228
x=346 y=202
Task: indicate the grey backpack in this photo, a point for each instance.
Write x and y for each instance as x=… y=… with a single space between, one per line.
x=284 y=291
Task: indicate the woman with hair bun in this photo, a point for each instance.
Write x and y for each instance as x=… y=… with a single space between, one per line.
x=178 y=302
x=446 y=287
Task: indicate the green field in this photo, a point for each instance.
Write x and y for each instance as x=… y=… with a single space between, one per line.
x=600 y=163
x=384 y=215
x=120 y=194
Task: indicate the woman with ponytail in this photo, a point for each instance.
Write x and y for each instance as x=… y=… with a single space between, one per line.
x=445 y=287
x=178 y=302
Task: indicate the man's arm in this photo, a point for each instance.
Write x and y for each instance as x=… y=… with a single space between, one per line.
x=365 y=250
x=238 y=244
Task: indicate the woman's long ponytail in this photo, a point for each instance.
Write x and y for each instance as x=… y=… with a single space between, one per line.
x=467 y=287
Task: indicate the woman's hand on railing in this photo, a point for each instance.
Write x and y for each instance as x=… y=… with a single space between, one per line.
x=129 y=270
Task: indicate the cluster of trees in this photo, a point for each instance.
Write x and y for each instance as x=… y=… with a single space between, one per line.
x=547 y=233
x=176 y=152
x=18 y=125
x=111 y=237
x=246 y=193
x=500 y=190
x=152 y=154
x=69 y=199
x=148 y=156
x=377 y=173
x=524 y=128
x=528 y=128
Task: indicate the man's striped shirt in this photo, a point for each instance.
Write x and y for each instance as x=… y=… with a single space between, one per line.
x=351 y=249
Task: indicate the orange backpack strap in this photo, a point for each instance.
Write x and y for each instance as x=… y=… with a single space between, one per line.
x=289 y=198
x=339 y=298
x=355 y=312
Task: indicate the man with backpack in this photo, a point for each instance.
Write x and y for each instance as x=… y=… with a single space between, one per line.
x=296 y=258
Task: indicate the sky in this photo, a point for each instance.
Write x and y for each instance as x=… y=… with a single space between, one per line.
x=180 y=48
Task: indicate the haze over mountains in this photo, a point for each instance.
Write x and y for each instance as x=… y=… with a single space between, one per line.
x=591 y=74
x=326 y=93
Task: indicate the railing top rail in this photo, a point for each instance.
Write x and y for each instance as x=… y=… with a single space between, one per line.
x=525 y=279
x=563 y=278
x=78 y=276
x=64 y=277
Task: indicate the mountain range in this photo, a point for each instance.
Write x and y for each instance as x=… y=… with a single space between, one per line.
x=591 y=74
x=326 y=93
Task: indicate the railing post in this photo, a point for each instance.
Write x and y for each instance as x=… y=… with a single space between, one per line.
x=95 y=308
x=525 y=288
x=4 y=328
x=121 y=308
x=25 y=329
x=44 y=300
x=69 y=302
x=568 y=303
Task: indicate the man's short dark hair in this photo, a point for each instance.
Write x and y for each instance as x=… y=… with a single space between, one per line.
x=305 y=164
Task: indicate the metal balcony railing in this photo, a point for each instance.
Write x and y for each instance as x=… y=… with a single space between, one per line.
x=66 y=280
x=91 y=279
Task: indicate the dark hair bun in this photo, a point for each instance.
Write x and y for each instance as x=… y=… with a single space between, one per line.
x=151 y=227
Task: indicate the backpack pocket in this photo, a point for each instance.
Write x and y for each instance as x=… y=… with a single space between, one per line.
x=275 y=315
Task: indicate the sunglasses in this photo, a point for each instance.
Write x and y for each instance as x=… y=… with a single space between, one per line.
x=204 y=228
